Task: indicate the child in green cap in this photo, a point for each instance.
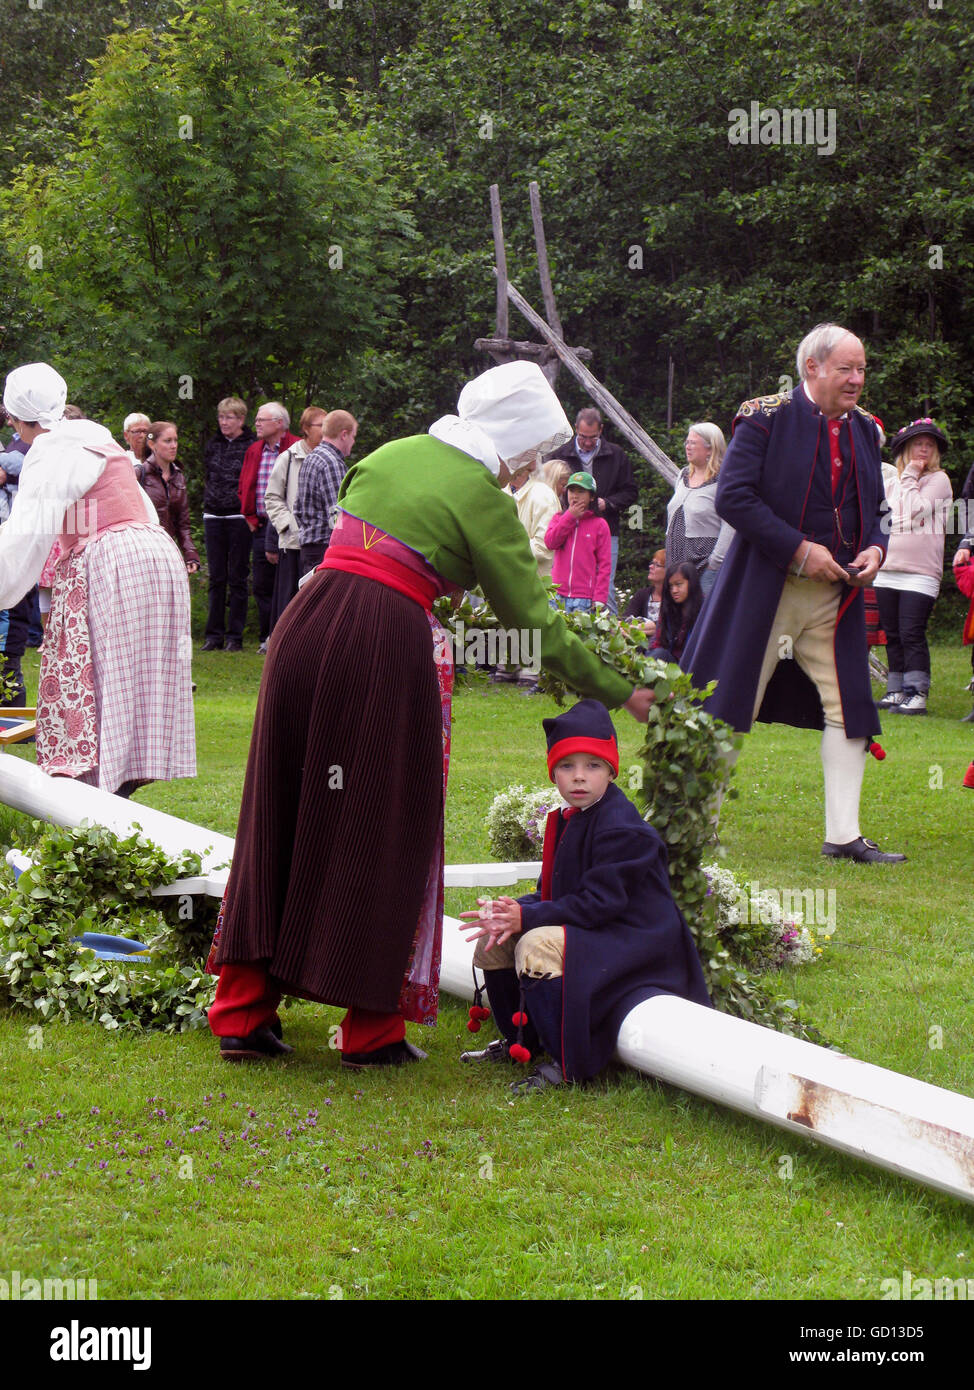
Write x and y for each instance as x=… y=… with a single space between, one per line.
x=581 y=543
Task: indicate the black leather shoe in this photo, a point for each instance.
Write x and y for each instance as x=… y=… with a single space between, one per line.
x=863 y=851
x=495 y=1051
x=393 y=1055
x=213 y=644
x=232 y=644
x=545 y=1075
x=254 y=1047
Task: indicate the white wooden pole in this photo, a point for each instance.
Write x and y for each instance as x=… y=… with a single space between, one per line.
x=64 y=801
x=896 y=1122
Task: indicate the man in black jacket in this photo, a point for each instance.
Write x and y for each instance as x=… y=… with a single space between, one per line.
x=225 y=529
x=612 y=471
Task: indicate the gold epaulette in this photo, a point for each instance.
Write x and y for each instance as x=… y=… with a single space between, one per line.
x=764 y=405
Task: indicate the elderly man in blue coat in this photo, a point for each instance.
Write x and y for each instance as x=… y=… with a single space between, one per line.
x=784 y=632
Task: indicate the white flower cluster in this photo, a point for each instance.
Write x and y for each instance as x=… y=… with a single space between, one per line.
x=760 y=924
x=516 y=819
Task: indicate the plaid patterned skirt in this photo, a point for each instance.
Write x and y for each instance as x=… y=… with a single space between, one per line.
x=115 y=699
x=875 y=636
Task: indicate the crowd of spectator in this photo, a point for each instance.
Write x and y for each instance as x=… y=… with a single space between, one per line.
x=270 y=497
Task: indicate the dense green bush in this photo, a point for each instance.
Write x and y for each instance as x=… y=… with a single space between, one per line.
x=88 y=880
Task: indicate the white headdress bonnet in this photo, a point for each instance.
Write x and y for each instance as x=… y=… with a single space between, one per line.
x=503 y=413
x=35 y=392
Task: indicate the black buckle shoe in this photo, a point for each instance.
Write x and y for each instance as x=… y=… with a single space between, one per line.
x=495 y=1051
x=545 y=1075
x=862 y=851
x=392 y=1055
x=257 y=1045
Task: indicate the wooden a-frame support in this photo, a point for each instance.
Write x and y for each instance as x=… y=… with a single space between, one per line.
x=554 y=350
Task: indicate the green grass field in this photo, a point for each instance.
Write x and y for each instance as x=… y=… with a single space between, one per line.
x=146 y=1164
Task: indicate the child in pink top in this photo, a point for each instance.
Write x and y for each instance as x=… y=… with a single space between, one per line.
x=582 y=546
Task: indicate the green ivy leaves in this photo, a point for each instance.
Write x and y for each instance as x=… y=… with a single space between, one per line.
x=87 y=880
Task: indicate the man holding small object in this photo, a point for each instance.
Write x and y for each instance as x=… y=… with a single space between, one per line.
x=784 y=632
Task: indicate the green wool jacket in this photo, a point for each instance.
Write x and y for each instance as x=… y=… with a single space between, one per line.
x=451 y=509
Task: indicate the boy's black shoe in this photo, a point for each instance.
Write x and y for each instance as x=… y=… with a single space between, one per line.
x=393 y=1055
x=545 y=1075
x=261 y=1043
x=213 y=644
x=495 y=1051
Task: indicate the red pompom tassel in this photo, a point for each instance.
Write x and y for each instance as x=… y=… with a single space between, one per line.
x=473 y=1026
x=519 y=1053
x=478 y=1011
x=878 y=751
x=519 y=1019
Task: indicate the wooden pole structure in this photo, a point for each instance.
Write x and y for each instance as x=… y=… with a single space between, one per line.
x=524 y=349
x=616 y=412
x=550 y=369
x=500 y=258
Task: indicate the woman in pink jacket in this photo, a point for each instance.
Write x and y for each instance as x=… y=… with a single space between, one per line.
x=582 y=545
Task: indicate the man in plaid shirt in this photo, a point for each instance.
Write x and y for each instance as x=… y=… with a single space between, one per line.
x=321 y=477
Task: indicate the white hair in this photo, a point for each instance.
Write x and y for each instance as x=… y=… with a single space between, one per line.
x=279 y=410
x=136 y=418
x=820 y=344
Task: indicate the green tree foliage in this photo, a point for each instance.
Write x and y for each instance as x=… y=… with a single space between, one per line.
x=215 y=226
x=668 y=240
x=45 y=52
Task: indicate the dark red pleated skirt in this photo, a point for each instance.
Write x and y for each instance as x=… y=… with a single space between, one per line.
x=343 y=796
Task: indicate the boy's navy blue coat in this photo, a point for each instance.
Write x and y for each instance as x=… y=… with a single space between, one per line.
x=625 y=938
x=775 y=490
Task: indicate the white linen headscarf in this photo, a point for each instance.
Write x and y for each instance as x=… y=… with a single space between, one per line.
x=505 y=412
x=35 y=393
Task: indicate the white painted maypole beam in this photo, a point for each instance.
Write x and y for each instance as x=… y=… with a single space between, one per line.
x=64 y=801
x=896 y=1122
x=489 y=875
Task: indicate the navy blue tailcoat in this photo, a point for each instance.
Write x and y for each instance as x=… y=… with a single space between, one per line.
x=625 y=938
x=775 y=490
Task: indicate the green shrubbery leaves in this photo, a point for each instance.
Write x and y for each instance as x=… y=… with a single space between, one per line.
x=88 y=880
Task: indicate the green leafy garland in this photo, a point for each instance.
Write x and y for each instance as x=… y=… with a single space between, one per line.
x=684 y=773
x=88 y=880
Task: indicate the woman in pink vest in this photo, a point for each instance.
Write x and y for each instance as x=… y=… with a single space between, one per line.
x=114 y=704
